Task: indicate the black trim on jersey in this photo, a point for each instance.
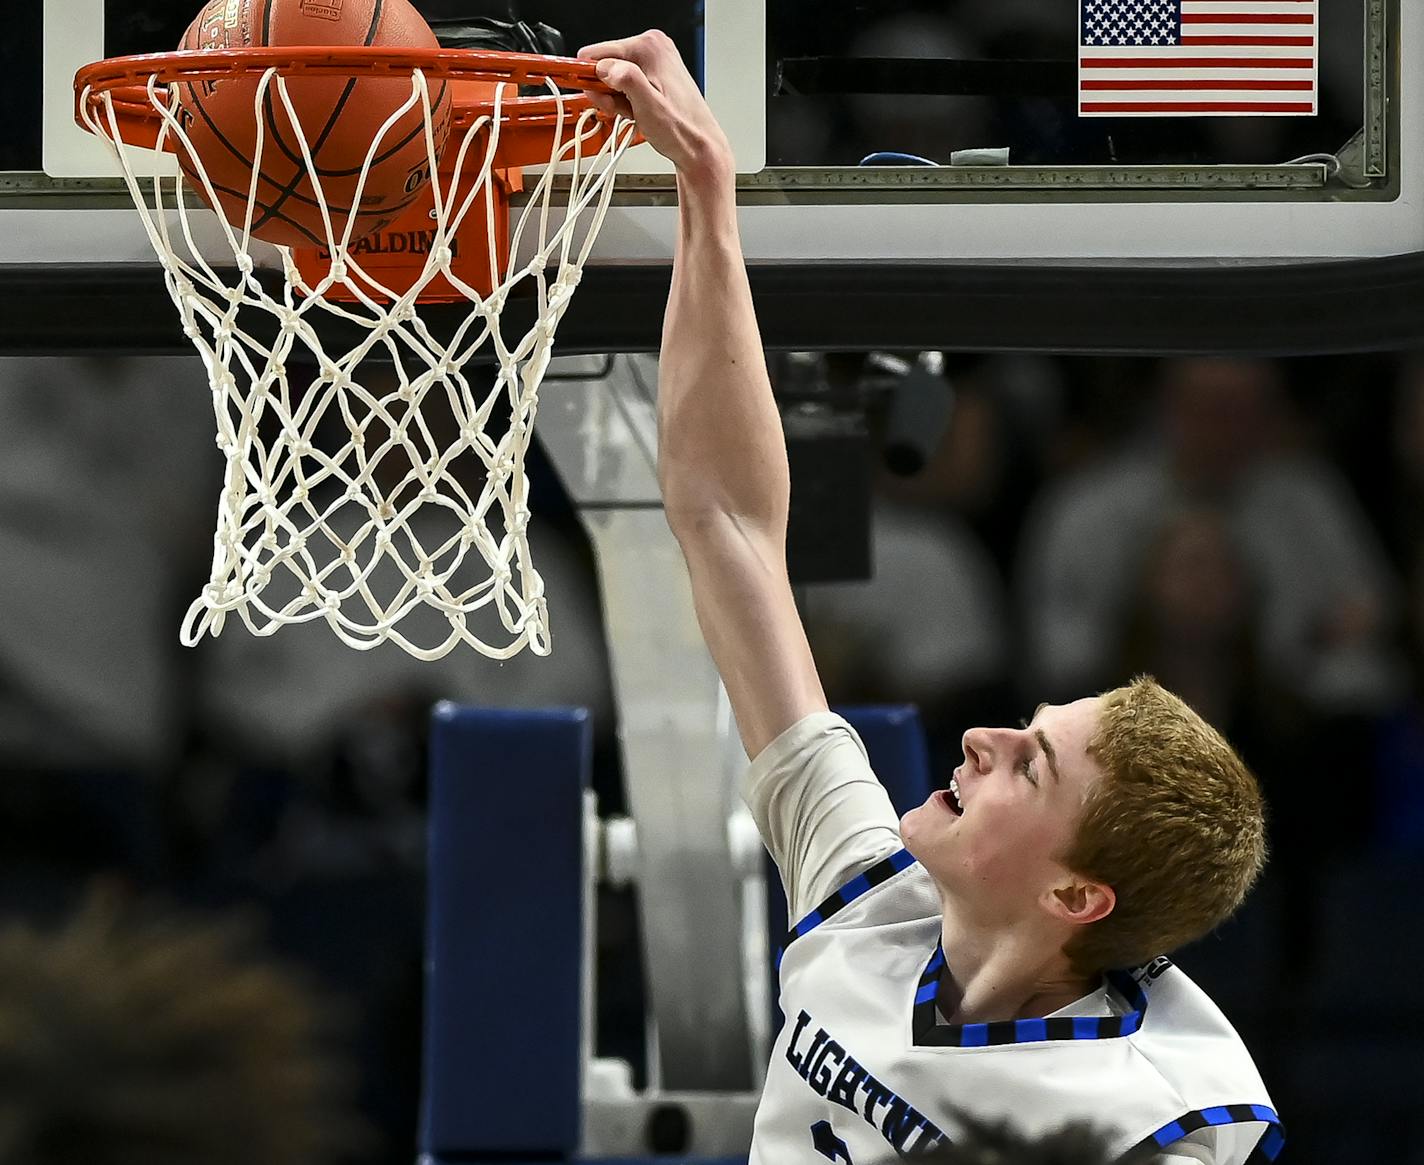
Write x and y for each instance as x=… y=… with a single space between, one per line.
x=929 y=1032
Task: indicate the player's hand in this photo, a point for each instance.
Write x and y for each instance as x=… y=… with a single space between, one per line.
x=654 y=88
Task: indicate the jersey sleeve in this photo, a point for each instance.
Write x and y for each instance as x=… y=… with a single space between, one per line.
x=822 y=813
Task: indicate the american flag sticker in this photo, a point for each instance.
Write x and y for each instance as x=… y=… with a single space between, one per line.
x=1198 y=58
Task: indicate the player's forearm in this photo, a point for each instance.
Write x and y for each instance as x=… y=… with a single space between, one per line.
x=721 y=449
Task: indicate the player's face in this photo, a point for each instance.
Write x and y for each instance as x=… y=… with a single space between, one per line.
x=995 y=847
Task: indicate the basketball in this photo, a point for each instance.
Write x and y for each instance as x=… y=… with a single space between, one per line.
x=339 y=117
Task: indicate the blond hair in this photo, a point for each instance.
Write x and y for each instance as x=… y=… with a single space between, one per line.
x=1175 y=826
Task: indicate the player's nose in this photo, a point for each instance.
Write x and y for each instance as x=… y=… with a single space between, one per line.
x=978 y=745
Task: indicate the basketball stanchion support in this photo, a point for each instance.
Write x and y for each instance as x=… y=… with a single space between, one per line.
x=681 y=758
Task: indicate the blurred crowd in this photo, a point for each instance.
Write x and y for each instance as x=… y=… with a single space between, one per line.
x=1249 y=532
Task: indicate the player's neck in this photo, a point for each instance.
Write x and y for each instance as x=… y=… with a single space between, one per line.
x=1000 y=973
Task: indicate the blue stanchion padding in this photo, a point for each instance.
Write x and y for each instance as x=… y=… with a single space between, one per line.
x=895 y=741
x=504 y=932
x=899 y=753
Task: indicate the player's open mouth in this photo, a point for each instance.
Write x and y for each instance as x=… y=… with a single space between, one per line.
x=950 y=798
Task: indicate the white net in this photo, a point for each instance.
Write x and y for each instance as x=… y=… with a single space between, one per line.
x=379 y=482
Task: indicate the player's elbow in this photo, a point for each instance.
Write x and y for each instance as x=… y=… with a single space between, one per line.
x=715 y=537
x=695 y=519
x=701 y=504
x=707 y=519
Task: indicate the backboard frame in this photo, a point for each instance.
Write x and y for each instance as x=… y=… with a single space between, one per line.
x=937 y=254
x=1282 y=308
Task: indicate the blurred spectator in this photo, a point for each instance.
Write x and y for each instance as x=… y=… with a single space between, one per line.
x=929 y=627
x=1400 y=821
x=105 y=469
x=138 y=1037
x=1406 y=522
x=1192 y=621
x=289 y=768
x=1006 y=416
x=356 y=736
x=1324 y=593
x=107 y=472
x=1400 y=754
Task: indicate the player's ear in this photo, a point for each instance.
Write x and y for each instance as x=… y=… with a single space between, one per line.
x=1080 y=901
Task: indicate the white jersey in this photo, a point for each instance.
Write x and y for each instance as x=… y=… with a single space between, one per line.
x=863 y=1072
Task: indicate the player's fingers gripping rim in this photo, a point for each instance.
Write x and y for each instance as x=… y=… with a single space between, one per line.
x=609 y=104
x=621 y=64
x=643 y=50
x=632 y=84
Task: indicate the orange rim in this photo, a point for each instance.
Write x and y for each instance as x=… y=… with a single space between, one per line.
x=529 y=122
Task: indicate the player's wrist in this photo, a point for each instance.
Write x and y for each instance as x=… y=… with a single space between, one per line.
x=705 y=162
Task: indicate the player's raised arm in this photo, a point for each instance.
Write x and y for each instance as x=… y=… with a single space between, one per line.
x=721 y=453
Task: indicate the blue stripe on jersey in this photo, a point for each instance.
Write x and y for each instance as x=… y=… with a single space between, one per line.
x=810 y=922
x=854 y=888
x=975 y=1035
x=1169 y=1134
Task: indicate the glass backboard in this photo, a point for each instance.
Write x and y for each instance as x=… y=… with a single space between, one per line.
x=79 y=31
x=834 y=109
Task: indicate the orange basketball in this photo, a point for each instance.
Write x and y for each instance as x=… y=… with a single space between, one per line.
x=339 y=117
